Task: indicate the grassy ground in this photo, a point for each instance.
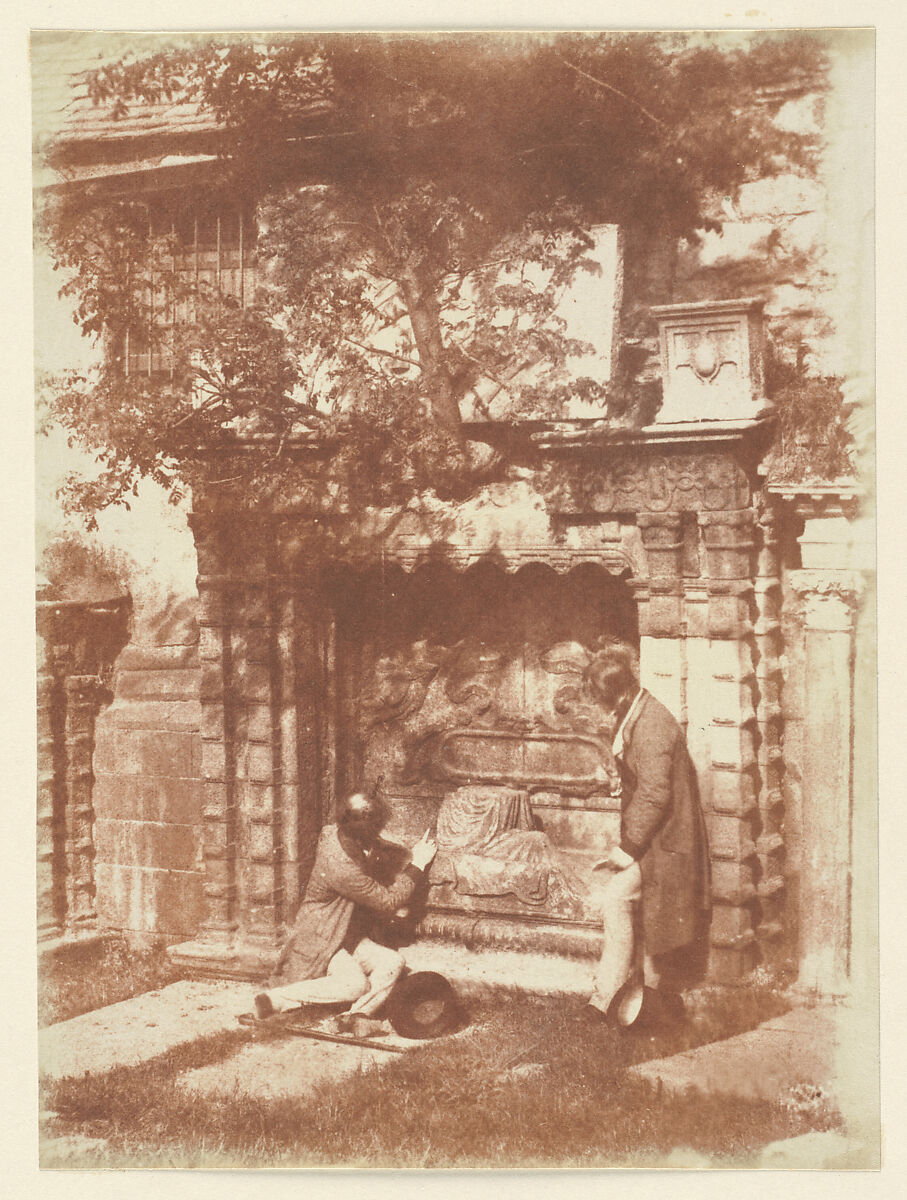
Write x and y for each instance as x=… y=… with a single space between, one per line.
x=82 y=982
x=527 y=1085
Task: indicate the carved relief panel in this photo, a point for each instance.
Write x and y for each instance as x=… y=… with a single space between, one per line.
x=463 y=694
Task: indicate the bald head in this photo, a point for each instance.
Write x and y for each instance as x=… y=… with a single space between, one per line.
x=361 y=817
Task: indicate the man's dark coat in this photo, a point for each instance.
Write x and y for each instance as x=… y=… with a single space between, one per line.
x=663 y=828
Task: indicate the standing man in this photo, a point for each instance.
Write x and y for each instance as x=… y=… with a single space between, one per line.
x=327 y=960
x=661 y=864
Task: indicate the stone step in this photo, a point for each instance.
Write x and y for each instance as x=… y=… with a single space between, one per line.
x=481 y=971
x=136 y=1030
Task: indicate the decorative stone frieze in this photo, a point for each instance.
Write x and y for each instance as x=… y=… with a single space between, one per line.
x=627 y=481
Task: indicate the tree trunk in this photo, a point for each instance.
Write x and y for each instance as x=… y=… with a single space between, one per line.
x=424 y=314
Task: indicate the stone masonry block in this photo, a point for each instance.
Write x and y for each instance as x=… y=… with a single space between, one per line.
x=136 y=657
x=730 y=837
x=138 y=799
x=211 y=722
x=215 y=794
x=258 y=763
x=258 y=801
x=730 y=660
x=730 y=964
x=260 y=842
x=166 y=753
x=732 y=746
x=258 y=722
x=729 y=923
x=252 y=681
x=734 y=792
x=211 y=683
x=258 y=645
x=173 y=684
x=147 y=900
x=148 y=844
x=661 y=616
x=211 y=607
x=696 y=617
x=213 y=760
x=733 y=883
x=210 y=644
x=255 y=605
x=729 y=617
x=732 y=698
x=154 y=714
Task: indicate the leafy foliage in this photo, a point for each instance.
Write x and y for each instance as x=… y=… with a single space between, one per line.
x=423 y=203
x=812 y=441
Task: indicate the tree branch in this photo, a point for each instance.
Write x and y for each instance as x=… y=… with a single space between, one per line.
x=609 y=87
x=385 y=353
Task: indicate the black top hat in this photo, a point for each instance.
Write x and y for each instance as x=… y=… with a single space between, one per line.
x=424 y=1005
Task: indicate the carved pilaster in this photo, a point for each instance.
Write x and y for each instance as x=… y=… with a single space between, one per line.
x=78 y=643
x=662 y=537
x=767 y=634
x=84 y=694
x=726 y=673
x=260 y=716
x=828 y=602
x=49 y=905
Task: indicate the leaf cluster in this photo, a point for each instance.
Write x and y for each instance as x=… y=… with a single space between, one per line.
x=423 y=203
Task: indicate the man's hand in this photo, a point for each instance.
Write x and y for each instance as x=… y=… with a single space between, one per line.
x=424 y=851
x=615 y=860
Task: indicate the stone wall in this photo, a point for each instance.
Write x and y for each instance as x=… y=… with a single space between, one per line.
x=147 y=792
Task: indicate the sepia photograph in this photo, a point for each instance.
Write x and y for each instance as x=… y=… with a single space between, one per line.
x=455 y=599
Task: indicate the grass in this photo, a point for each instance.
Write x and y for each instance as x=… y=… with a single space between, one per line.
x=72 y=984
x=526 y=1085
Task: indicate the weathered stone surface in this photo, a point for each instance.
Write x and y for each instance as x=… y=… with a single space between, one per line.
x=136 y=657
x=149 y=899
x=768 y=1063
x=281 y=1069
x=820 y=1150
x=157 y=752
x=170 y=712
x=136 y=1030
x=148 y=844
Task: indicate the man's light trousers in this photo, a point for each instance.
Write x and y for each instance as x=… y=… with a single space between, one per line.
x=620 y=895
x=365 y=977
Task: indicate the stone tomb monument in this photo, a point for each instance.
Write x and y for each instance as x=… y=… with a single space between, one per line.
x=443 y=665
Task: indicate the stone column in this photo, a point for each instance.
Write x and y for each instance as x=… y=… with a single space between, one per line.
x=79 y=642
x=828 y=600
x=770 y=843
x=83 y=699
x=661 y=659
x=732 y=810
x=213 y=950
x=262 y=679
x=48 y=903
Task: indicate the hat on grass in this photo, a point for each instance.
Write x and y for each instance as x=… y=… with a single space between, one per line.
x=639 y=1007
x=424 y=1005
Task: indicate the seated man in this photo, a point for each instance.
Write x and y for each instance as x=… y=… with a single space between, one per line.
x=326 y=960
x=661 y=865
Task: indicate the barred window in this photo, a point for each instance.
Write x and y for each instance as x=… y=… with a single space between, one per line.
x=197 y=253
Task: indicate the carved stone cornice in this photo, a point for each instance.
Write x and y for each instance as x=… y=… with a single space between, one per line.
x=828 y=600
x=841 y=499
